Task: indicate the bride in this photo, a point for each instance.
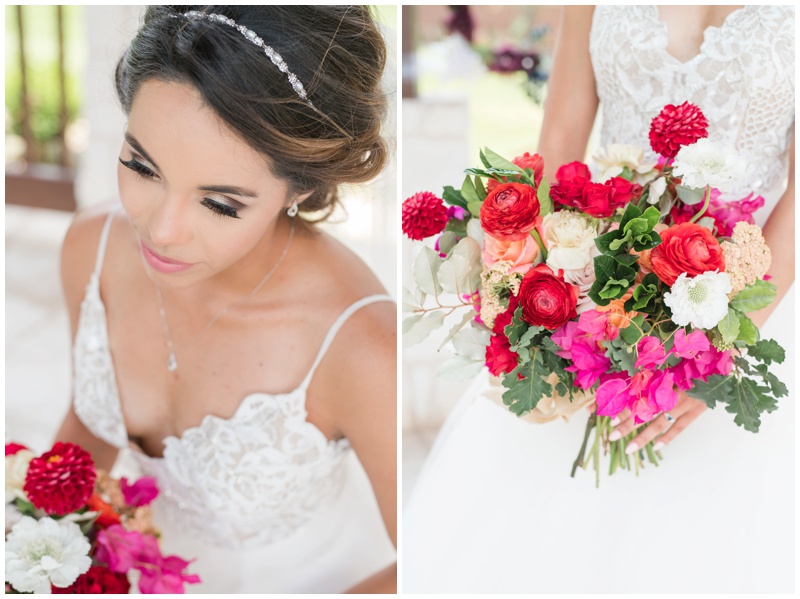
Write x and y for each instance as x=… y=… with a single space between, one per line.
x=494 y=509
x=223 y=343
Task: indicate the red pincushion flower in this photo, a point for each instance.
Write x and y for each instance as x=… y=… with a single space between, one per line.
x=424 y=214
x=61 y=480
x=677 y=126
x=99 y=580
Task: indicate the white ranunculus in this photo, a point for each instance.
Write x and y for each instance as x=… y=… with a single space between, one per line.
x=16 y=471
x=706 y=163
x=44 y=552
x=701 y=301
x=616 y=157
x=569 y=238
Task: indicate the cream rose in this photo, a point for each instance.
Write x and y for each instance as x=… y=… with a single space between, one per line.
x=569 y=238
x=16 y=471
x=616 y=157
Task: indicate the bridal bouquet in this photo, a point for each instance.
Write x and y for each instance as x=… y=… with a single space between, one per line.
x=617 y=292
x=70 y=528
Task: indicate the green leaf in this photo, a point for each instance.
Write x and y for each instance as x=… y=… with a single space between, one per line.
x=689 y=195
x=717 y=388
x=633 y=332
x=526 y=338
x=454 y=197
x=498 y=161
x=483 y=159
x=755 y=296
x=647 y=241
x=748 y=333
x=410 y=321
x=644 y=295
x=604 y=241
x=522 y=396
x=637 y=226
x=747 y=403
x=614 y=288
x=630 y=213
x=543 y=194
x=480 y=189
x=622 y=355
x=651 y=215
x=621 y=242
x=448 y=241
x=775 y=385
x=426 y=270
x=423 y=327
x=767 y=351
x=707 y=222
x=728 y=327
x=459 y=368
x=471 y=341
x=475 y=208
x=457 y=327
x=460 y=273
x=626 y=259
x=468 y=191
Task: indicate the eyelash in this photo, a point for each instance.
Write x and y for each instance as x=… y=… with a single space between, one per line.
x=146 y=173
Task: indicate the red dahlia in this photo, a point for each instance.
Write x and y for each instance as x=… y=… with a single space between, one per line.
x=424 y=214
x=97 y=581
x=12 y=448
x=61 y=480
x=677 y=126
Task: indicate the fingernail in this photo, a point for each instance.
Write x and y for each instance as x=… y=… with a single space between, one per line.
x=631 y=448
x=615 y=422
x=614 y=435
x=658 y=446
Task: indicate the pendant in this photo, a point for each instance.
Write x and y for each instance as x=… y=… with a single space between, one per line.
x=172 y=362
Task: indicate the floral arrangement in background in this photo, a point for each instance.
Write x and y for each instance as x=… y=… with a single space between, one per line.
x=506 y=58
x=617 y=292
x=71 y=528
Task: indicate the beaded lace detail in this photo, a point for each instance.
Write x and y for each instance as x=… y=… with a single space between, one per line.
x=742 y=79
x=249 y=480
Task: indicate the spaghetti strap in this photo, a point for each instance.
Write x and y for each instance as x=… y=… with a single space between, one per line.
x=326 y=343
x=101 y=248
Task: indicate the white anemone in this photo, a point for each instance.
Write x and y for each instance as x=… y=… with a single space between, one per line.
x=44 y=552
x=701 y=301
x=706 y=163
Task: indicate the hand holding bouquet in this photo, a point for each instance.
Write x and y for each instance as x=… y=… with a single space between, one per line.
x=71 y=528
x=630 y=288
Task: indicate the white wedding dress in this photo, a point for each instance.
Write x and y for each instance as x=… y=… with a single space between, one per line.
x=263 y=501
x=494 y=509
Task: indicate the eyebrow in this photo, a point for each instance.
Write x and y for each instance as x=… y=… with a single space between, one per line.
x=230 y=189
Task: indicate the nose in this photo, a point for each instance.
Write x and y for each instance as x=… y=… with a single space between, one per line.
x=169 y=222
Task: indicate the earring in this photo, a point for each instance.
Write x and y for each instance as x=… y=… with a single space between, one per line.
x=293 y=209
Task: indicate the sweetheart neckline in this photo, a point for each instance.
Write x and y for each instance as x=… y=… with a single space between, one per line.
x=656 y=15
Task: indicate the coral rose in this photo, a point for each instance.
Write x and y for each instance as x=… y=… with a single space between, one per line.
x=61 y=480
x=686 y=248
x=547 y=300
x=521 y=253
x=617 y=315
x=510 y=211
x=677 y=126
x=424 y=215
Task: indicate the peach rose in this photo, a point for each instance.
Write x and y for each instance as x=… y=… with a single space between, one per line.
x=520 y=253
x=619 y=317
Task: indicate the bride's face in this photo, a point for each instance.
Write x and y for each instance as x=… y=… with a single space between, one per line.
x=200 y=199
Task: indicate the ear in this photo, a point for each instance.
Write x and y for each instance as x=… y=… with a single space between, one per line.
x=302 y=197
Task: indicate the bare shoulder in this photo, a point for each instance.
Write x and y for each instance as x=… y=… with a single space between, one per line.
x=79 y=252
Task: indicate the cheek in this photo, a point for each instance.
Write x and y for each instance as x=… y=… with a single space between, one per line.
x=133 y=193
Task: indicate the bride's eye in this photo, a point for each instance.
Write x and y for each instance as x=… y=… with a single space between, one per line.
x=220 y=209
x=138 y=168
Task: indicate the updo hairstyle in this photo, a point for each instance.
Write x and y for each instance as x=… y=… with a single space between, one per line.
x=336 y=52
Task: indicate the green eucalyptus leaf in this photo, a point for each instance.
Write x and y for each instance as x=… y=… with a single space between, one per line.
x=471 y=341
x=460 y=273
x=423 y=327
x=426 y=270
x=689 y=195
x=460 y=368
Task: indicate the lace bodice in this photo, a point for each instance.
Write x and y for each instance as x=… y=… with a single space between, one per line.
x=250 y=480
x=742 y=79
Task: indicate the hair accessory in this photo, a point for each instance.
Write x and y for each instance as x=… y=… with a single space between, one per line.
x=293 y=209
x=253 y=38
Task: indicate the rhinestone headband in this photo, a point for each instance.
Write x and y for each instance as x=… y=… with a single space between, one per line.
x=253 y=38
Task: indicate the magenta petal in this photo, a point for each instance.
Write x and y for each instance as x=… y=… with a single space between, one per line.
x=651 y=352
x=612 y=397
x=140 y=493
x=688 y=346
x=662 y=392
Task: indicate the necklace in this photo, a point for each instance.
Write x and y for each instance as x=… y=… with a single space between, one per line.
x=172 y=360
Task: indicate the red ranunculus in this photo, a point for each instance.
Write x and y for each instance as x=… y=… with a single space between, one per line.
x=677 y=126
x=509 y=211
x=99 y=580
x=61 y=480
x=531 y=161
x=424 y=214
x=12 y=448
x=547 y=300
x=499 y=357
x=601 y=199
x=688 y=248
x=570 y=181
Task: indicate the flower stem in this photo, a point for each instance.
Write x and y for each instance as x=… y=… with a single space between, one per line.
x=537 y=238
x=590 y=424
x=707 y=199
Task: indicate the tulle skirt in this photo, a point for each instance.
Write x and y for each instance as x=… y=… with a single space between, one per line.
x=495 y=510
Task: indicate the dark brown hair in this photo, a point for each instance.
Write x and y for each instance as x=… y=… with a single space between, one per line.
x=337 y=53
